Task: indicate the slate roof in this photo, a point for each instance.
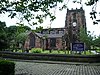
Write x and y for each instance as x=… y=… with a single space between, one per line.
x=50 y=35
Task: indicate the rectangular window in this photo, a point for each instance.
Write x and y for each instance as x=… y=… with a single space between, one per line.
x=61 y=32
x=52 y=32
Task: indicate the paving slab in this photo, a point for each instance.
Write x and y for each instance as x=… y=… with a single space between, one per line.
x=33 y=68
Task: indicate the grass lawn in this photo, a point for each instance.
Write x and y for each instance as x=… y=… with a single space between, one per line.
x=55 y=52
x=38 y=50
x=87 y=53
x=98 y=50
x=67 y=52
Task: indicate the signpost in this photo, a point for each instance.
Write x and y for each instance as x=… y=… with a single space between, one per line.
x=78 y=47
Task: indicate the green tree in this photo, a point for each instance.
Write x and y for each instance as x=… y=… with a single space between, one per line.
x=38 y=29
x=3 y=36
x=21 y=34
x=86 y=38
x=39 y=9
x=20 y=39
x=13 y=34
x=97 y=42
x=29 y=9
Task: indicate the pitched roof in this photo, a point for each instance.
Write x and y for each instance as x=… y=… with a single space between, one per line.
x=49 y=35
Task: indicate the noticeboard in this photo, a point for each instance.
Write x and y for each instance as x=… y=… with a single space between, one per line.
x=77 y=46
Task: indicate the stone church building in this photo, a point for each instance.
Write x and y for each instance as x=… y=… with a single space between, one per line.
x=59 y=38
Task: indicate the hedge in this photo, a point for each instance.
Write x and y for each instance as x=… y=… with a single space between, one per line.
x=7 y=67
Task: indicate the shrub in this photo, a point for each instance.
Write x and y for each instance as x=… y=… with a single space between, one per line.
x=36 y=50
x=7 y=67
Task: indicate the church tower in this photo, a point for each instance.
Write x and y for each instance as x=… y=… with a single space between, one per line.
x=75 y=19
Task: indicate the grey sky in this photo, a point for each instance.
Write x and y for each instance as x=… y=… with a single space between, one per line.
x=60 y=18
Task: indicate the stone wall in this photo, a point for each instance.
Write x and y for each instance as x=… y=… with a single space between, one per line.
x=59 y=45
x=52 y=57
x=37 y=42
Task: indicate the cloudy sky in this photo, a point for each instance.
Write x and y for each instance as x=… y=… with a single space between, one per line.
x=60 y=18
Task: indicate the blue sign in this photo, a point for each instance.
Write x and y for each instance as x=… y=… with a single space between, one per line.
x=77 y=46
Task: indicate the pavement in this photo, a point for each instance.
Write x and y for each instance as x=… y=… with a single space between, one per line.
x=32 y=68
x=40 y=67
x=37 y=67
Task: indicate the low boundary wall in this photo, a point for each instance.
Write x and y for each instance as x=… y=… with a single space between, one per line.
x=52 y=57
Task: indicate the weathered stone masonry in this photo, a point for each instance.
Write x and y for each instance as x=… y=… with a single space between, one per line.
x=60 y=38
